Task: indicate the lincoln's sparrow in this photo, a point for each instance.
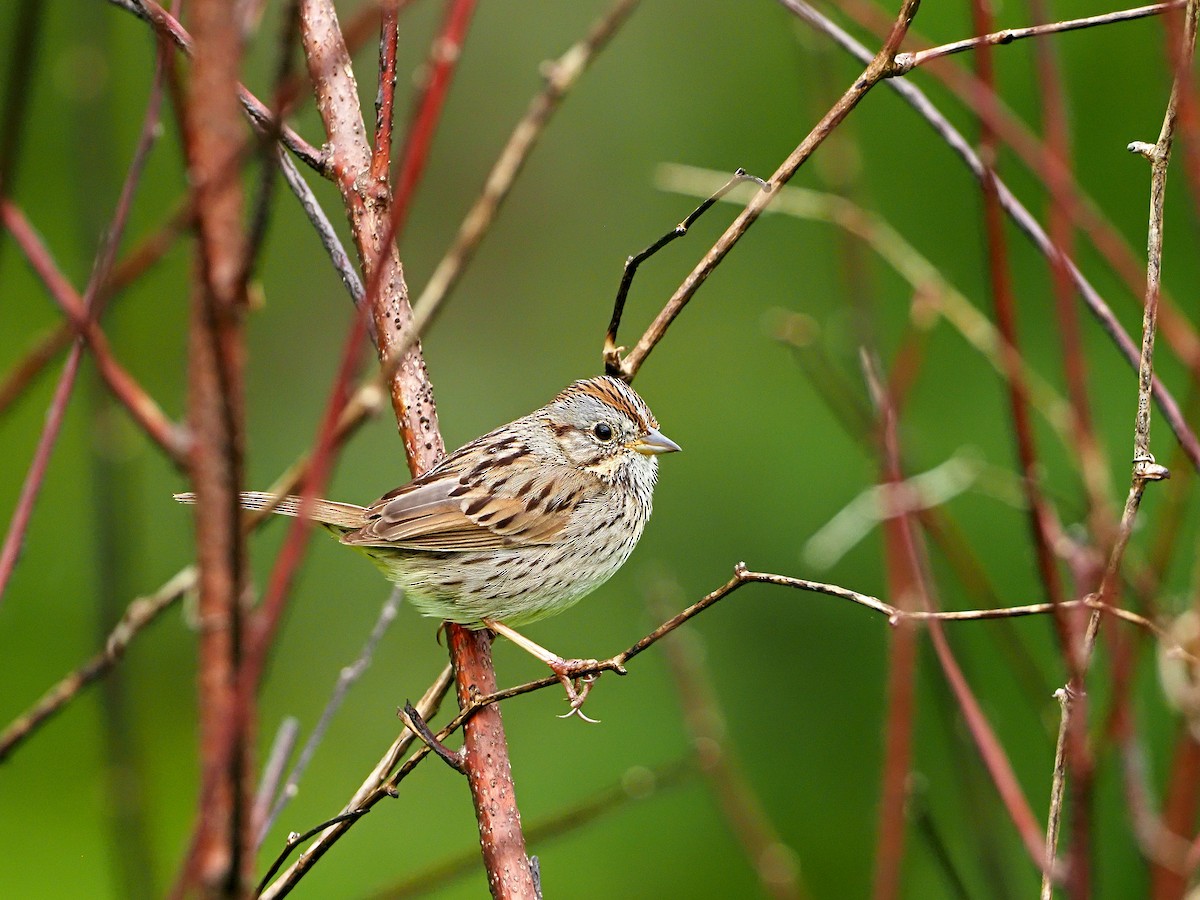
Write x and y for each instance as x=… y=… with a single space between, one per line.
x=519 y=524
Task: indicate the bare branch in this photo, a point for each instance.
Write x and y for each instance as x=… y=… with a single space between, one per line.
x=876 y=71
x=141 y=406
x=1021 y=216
x=906 y=62
x=1145 y=469
x=374 y=788
x=346 y=679
x=221 y=855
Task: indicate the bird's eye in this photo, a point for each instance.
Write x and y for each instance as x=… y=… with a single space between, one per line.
x=603 y=431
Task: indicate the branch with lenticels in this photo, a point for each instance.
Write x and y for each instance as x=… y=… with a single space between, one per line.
x=369 y=206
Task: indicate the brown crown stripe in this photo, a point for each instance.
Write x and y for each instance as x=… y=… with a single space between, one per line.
x=618 y=395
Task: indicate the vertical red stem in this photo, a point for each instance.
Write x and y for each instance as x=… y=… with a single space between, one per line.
x=213 y=132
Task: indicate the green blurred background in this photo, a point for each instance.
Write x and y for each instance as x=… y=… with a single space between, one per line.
x=801 y=678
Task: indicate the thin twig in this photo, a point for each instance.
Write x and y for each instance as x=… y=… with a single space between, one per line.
x=561 y=76
x=87 y=308
x=440 y=69
x=373 y=789
x=894 y=615
x=1145 y=469
x=269 y=782
x=1021 y=216
x=1066 y=196
x=611 y=352
x=33 y=363
x=913 y=591
x=877 y=70
x=271 y=125
x=346 y=679
x=141 y=406
x=906 y=62
x=168 y=26
x=321 y=224
x=931 y=291
x=1056 y=791
x=14 y=537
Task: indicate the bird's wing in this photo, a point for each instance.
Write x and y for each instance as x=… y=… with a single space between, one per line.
x=476 y=503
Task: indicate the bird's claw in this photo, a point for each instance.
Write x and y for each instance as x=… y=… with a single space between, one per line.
x=577 y=686
x=576 y=711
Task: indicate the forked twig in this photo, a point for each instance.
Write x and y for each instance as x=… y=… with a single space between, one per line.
x=906 y=62
x=612 y=353
x=877 y=69
x=1021 y=216
x=346 y=678
x=374 y=788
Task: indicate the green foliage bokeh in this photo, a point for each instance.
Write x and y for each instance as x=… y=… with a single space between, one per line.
x=801 y=677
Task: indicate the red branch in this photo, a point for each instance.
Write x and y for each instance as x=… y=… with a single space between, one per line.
x=443 y=63
x=221 y=862
x=123 y=385
x=373 y=223
x=86 y=307
x=904 y=586
x=15 y=536
x=168 y=26
x=389 y=32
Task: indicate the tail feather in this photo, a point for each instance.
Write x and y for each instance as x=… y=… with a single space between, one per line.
x=327 y=512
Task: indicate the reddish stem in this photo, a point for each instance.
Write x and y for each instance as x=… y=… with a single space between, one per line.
x=443 y=63
x=328 y=440
x=903 y=587
x=30 y=366
x=1111 y=246
x=381 y=156
x=86 y=307
x=374 y=219
x=222 y=860
x=125 y=387
x=15 y=537
x=169 y=26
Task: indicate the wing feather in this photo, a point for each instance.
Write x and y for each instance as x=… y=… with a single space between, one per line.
x=472 y=502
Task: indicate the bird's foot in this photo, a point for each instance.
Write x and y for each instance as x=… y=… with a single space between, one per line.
x=577 y=676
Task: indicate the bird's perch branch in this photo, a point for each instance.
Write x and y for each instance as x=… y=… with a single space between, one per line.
x=368 y=203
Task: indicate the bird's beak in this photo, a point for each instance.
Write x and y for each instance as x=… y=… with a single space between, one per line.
x=654 y=443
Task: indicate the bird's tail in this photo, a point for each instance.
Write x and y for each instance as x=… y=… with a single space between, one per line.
x=339 y=517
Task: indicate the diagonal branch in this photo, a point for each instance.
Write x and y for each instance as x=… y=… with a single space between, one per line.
x=906 y=62
x=141 y=406
x=879 y=68
x=1021 y=217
